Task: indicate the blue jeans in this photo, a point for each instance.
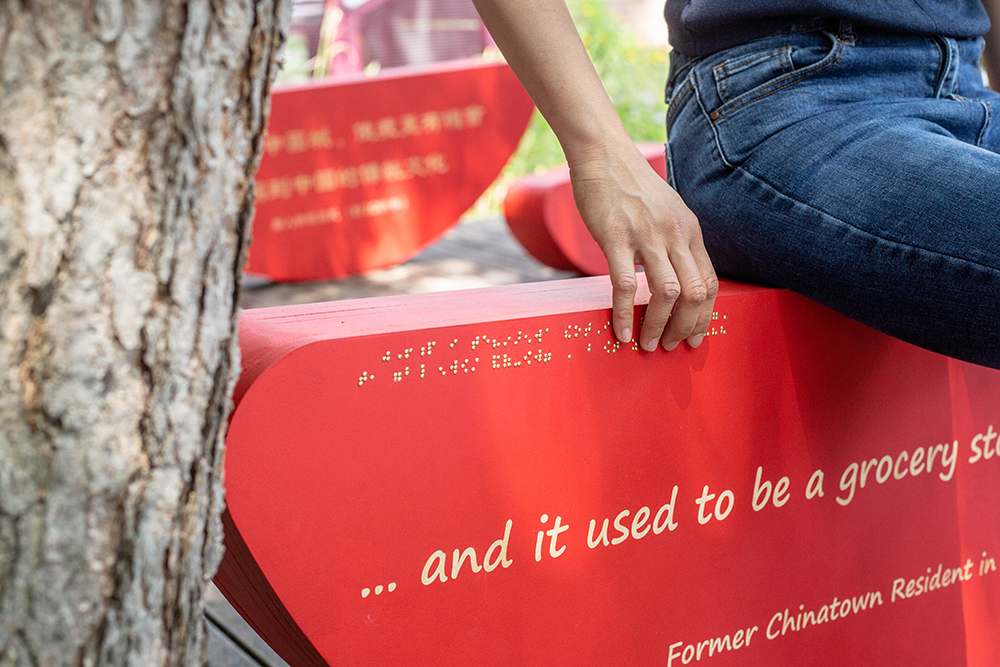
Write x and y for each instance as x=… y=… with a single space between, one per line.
x=858 y=168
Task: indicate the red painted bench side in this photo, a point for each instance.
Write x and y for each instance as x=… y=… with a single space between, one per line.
x=344 y=475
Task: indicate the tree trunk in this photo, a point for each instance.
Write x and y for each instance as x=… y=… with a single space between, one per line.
x=129 y=135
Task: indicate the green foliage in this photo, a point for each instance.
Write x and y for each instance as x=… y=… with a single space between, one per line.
x=634 y=76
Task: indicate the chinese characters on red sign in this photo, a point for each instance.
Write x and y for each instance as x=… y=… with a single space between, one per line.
x=361 y=174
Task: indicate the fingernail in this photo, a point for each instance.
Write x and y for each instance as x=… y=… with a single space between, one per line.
x=626 y=335
x=671 y=345
x=695 y=341
x=649 y=345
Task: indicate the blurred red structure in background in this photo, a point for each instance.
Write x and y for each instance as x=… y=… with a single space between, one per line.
x=361 y=172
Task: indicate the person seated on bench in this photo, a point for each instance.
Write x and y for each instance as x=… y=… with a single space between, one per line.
x=845 y=150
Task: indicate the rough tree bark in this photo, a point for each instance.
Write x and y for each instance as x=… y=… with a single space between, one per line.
x=129 y=134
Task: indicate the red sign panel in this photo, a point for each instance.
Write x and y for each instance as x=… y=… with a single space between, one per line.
x=489 y=478
x=362 y=173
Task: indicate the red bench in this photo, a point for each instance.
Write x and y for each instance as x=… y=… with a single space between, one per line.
x=488 y=478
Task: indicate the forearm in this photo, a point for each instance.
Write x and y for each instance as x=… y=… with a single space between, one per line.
x=543 y=48
x=991 y=57
x=630 y=211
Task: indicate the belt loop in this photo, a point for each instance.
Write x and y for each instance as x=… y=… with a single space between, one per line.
x=680 y=64
x=847 y=32
x=948 y=73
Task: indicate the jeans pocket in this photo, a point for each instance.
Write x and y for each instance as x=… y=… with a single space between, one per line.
x=751 y=111
x=745 y=79
x=741 y=74
x=980 y=108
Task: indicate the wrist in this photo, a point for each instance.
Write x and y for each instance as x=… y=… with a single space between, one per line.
x=605 y=148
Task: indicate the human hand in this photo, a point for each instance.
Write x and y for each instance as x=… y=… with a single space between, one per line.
x=636 y=218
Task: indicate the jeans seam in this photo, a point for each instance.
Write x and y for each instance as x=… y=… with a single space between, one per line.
x=671 y=180
x=725 y=64
x=681 y=95
x=785 y=56
x=792 y=78
x=776 y=190
x=725 y=78
x=987 y=121
x=847 y=33
x=711 y=126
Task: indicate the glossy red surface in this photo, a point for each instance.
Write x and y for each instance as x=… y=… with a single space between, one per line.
x=377 y=442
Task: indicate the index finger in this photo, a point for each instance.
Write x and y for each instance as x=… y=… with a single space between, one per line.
x=621 y=266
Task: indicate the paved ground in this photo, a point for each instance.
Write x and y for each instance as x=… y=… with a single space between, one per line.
x=472 y=254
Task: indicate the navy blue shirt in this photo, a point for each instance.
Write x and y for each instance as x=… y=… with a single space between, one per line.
x=700 y=27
